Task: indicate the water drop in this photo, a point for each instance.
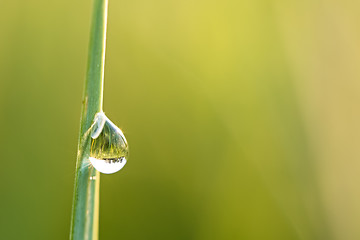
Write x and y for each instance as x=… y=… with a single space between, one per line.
x=109 y=149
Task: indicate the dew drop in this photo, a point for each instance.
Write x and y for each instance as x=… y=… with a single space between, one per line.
x=109 y=148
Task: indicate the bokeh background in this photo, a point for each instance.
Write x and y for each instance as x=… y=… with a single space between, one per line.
x=242 y=118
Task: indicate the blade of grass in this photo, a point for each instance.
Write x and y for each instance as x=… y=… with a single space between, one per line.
x=85 y=210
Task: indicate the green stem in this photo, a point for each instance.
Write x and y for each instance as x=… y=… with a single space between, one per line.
x=85 y=211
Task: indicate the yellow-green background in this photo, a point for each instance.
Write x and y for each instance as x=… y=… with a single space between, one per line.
x=242 y=118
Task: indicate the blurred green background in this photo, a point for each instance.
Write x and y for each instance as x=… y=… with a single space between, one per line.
x=242 y=118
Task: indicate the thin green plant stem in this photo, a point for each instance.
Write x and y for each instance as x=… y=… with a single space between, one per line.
x=85 y=210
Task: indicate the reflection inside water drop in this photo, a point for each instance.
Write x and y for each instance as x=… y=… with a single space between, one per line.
x=109 y=165
x=109 y=148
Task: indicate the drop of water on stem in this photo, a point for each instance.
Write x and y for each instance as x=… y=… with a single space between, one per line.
x=109 y=148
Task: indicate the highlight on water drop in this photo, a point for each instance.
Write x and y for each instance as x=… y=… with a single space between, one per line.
x=109 y=149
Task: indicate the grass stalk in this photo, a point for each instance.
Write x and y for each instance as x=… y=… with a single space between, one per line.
x=85 y=210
